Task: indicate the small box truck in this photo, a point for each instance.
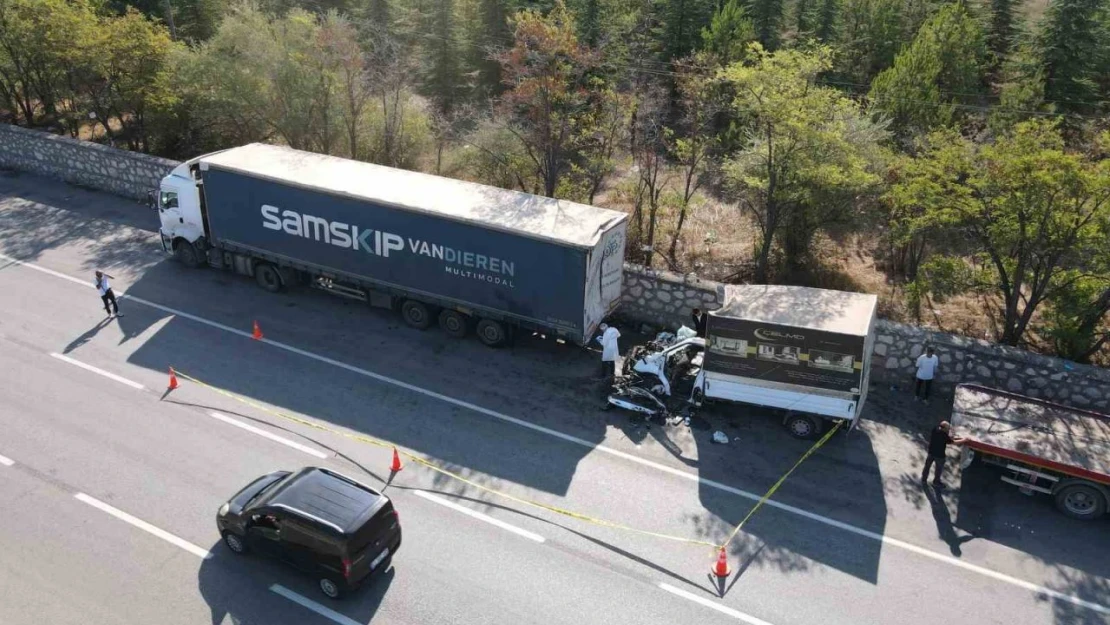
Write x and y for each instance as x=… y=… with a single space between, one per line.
x=803 y=351
x=467 y=256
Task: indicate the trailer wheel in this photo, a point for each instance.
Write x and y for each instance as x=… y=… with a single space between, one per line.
x=186 y=253
x=453 y=323
x=492 y=333
x=803 y=426
x=416 y=314
x=1081 y=500
x=268 y=277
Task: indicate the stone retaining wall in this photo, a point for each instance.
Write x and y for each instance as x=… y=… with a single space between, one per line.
x=81 y=163
x=658 y=298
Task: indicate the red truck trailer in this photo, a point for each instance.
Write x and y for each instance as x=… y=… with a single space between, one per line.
x=1043 y=447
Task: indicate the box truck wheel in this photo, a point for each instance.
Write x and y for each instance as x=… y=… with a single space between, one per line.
x=492 y=333
x=186 y=253
x=454 y=323
x=416 y=314
x=1081 y=500
x=268 y=277
x=802 y=425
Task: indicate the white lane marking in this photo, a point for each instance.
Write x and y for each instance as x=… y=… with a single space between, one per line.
x=4 y=460
x=859 y=531
x=273 y=437
x=312 y=605
x=146 y=527
x=481 y=517
x=107 y=374
x=736 y=614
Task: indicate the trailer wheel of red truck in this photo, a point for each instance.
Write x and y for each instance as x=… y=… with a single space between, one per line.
x=1080 y=499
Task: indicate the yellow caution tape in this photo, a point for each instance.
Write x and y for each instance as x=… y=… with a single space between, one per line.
x=775 y=486
x=535 y=504
x=380 y=443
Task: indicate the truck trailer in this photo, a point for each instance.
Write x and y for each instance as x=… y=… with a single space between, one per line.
x=1041 y=446
x=435 y=249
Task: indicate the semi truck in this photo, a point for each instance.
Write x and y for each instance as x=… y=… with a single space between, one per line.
x=801 y=351
x=1040 y=446
x=469 y=257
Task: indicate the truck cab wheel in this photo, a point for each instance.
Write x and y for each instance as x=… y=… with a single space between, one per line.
x=186 y=253
x=453 y=323
x=416 y=314
x=1080 y=500
x=803 y=426
x=268 y=277
x=492 y=333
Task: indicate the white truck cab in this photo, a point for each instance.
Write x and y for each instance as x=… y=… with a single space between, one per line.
x=178 y=202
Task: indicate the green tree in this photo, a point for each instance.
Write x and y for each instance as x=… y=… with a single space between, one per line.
x=870 y=35
x=680 y=23
x=767 y=18
x=1075 y=44
x=729 y=34
x=489 y=37
x=1031 y=212
x=441 y=72
x=809 y=152
x=555 y=95
x=1001 y=32
x=828 y=16
x=943 y=65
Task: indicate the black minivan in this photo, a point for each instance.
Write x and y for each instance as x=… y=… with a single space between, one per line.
x=320 y=521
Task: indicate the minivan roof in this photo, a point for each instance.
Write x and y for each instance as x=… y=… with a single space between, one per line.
x=328 y=496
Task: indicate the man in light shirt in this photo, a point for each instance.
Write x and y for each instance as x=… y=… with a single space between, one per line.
x=106 y=294
x=609 y=350
x=927 y=364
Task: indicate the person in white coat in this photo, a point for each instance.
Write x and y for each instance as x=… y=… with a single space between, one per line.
x=610 y=351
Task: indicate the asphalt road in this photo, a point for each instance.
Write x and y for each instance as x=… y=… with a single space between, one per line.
x=852 y=538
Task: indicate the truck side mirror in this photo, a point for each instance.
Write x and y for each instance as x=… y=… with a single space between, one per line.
x=150 y=201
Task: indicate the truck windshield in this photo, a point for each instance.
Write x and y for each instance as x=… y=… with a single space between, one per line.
x=168 y=199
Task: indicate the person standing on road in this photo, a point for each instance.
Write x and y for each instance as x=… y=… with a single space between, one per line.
x=927 y=364
x=700 y=320
x=609 y=350
x=106 y=294
x=938 y=446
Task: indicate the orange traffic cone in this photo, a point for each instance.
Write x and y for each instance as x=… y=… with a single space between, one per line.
x=721 y=568
x=396 y=465
x=173 y=379
x=257 y=335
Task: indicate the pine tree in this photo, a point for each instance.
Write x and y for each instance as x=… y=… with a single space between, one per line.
x=681 y=23
x=1001 y=33
x=442 y=77
x=491 y=35
x=827 y=15
x=589 y=23
x=1075 y=46
x=729 y=34
x=806 y=16
x=767 y=17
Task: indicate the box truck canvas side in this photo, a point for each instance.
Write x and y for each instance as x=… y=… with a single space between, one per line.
x=801 y=350
x=466 y=255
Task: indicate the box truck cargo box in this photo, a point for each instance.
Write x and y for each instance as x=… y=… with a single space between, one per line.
x=802 y=350
x=436 y=248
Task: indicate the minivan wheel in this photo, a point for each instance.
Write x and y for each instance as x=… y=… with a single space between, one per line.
x=331 y=589
x=235 y=543
x=267 y=277
x=416 y=314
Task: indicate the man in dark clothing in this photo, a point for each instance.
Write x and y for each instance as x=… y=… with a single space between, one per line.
x=700 y=320
x=938 y=445
x=106 y=295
